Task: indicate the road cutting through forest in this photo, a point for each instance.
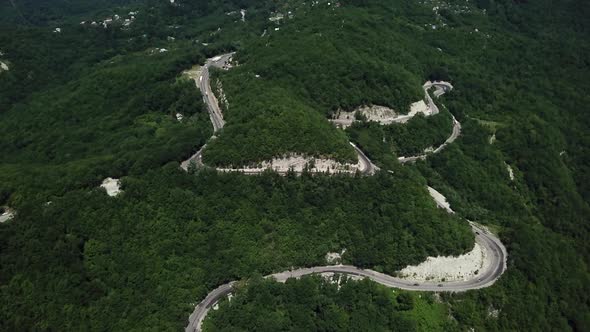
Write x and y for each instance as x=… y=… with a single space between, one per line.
x=280 y=165
x=441 y=88
x=284 y=165
x=496 y=252
x=493 y=268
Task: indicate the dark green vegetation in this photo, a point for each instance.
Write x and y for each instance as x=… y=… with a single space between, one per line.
x=92 y=102
x=316 y=304
x=318 y=62
x=88 y=103
x=522 y=76
x=46 y=12
x=264 y=122
x=329 y=61
x=118 y=118
x=138 y=261
x=383 y=143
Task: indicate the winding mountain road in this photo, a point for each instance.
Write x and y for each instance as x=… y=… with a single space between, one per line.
x=441 y=89
x=454 y=135
x=366 y=166
x=215 y=113
x=496 y=251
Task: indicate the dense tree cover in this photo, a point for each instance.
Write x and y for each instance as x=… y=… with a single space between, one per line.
x=46 y=12
x=60 y=86
x=314 y=303
x=525 y=85
x=522 y=78
x=335 y=60
x=546 y=284
x=118 y=118
x=402 y=139
x=317 y=62
x=42 y=12
x=139 y=260
x=70 y=117
x=39 y=57
x=266 y=121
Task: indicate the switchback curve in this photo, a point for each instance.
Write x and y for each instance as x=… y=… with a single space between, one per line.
x=485 y=239
x=216 y=115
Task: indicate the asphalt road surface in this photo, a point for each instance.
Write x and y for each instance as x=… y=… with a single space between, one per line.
x=454 y=135
x=495 y=249
x=441 y=87
x=215 y=113
x=208 y=96
x=496 y=254
x=367 y=166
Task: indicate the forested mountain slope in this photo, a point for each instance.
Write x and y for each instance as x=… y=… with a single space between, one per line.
x=88 y=102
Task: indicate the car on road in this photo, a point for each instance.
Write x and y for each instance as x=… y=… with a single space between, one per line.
x=416 y=284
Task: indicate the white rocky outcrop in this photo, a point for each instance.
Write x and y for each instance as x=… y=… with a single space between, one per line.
x=385 y=115
x=112 y=186
x=6 y=215
x=335 y=257
x=449 y=268
x=510 y=172
x=298 y=163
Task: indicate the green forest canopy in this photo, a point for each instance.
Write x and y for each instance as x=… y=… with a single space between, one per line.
x=140 y=261
x=332 y=304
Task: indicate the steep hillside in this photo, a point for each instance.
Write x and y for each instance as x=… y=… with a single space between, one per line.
x=91 y=101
